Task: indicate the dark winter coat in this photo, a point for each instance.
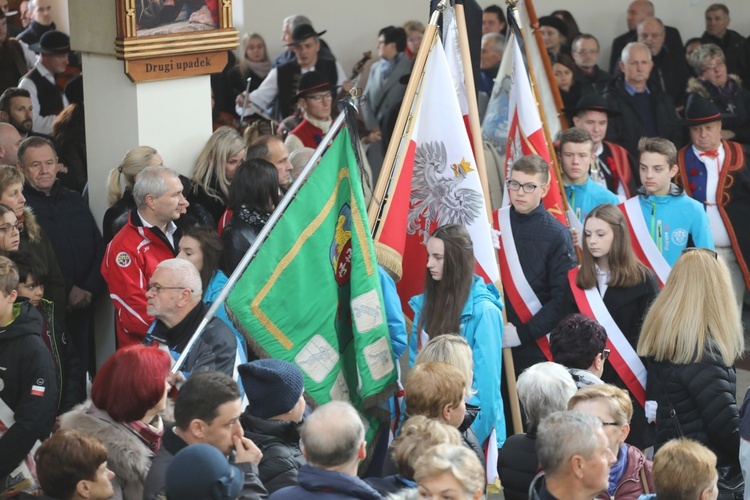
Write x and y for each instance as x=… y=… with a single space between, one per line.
x=279 y=442
x=35 y=241
x=239 y=235
x=545 y=251
x=734 y=104
x=517 y=464
x=326 y=485
x=627 y=129
x=117 y=215
x=29 y=385
x=703 y=397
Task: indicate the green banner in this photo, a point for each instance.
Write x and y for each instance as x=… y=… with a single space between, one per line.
x=312 y=293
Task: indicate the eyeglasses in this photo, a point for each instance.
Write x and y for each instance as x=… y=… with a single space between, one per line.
x=8 y=228
x=695 y=249
x=320 y=97
x=714 y=67
x=527 y=188
x=605 y=354
x=156 y=289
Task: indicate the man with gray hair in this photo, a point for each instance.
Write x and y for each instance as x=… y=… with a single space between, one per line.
x=287 y=28
x=173 y=299
x=645 y=110
x=333 y=442
x=149 y=237
x=574 y=454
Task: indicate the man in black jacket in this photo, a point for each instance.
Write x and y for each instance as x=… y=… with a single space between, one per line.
x=669 y=73
x=734 y=45
x=66 y=218
x=28 y=387
x=174 y=294
x=207 y=410
x=644 y=110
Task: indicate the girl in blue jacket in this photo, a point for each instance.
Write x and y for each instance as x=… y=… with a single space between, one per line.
x=456 y=300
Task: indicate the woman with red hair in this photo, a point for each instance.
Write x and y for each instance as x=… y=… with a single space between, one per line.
x=127 y=396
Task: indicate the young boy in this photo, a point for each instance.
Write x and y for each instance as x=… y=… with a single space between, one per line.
x=31 y=276
x=535 y=256
x=28 y=394
x=577 y=156
x=668 y=220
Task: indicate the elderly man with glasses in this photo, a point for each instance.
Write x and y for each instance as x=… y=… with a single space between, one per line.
x=173 y=296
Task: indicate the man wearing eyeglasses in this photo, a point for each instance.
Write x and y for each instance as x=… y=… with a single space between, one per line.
x=149 y=237
x=314 y=97
x=590 y=77
x=173 y=297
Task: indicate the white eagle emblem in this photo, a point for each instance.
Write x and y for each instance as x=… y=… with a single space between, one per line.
x=437 y=198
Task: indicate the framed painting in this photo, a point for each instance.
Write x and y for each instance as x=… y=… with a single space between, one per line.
x=164 y=39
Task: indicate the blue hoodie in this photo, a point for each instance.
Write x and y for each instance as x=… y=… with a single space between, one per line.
x=482 y=327
x=583 y=198
x=674 y=219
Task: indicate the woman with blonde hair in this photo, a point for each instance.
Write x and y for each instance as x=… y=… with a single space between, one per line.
x=621 y=284
x=213 y=173
x=252 y=62
x=120 y=200
x=449 y=467
x=692 y=336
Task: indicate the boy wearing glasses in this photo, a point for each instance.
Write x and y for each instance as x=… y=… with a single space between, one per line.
x=535 y=256
x=663 y=220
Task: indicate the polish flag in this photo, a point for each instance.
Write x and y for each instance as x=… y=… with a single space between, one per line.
x=455 y=65
x=37 y=390
x=437 y=184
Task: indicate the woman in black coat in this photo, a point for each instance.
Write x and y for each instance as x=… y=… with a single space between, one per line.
x=253 y=196
x=691 y=336
x=626 y=287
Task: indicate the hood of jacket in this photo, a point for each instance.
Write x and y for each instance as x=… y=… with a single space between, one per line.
x=695 y=86
x=478 y=291
x=27 y=321
x=287 y=431
x=674 y=190
x=31 y=226
x=316 y=479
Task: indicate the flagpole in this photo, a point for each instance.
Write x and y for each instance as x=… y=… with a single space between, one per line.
x=393 y=161
x=547 y=64
x=350 y=107
x=542 y=115
x=471 y=97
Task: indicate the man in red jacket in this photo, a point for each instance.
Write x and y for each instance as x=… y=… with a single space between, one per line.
x=149 y=237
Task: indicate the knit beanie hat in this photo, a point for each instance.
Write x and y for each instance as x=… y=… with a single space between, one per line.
x=201 y=472
x=273 y=386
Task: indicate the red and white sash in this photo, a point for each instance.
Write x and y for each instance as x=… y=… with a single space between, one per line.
x=623 y=357
x=516 y=286
x=643 y=245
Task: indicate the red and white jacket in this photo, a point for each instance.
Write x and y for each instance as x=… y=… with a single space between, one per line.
x=129 y=262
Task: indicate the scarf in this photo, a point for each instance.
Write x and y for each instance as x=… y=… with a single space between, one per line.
x=252 y=217
x=149 y=434
x=618 y=469
x=261 y=68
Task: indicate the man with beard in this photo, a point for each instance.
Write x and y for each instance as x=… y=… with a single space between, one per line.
x=16 y=109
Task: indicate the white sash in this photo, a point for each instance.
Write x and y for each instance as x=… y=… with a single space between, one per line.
x=508 y=247
x=656 y=260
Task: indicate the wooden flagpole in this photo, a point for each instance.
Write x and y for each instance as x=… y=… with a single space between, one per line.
x=476 y=137
x=394 y=156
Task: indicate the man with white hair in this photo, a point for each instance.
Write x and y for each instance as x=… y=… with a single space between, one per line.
x=573 y=451
x=149 y=237
x=173 y=295
x=645 y=111
x=333 y=442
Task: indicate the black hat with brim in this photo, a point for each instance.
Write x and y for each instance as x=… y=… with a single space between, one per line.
x=53 y=42
x=313 y=81
x=302 y=33
x=591 y=102
x=699 y=111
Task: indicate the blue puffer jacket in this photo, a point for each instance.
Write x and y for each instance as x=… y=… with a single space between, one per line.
x=482 y=327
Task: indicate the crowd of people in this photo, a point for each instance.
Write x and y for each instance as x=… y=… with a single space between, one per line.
x=624 y=328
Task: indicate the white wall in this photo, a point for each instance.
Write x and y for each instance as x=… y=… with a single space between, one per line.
x=353 y=25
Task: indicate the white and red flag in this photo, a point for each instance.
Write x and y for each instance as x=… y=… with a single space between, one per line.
x=436 y=184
